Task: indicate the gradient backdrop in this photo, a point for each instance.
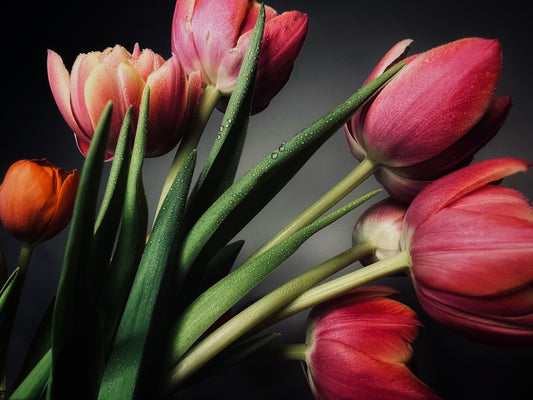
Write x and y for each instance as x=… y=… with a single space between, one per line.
x=345 y=40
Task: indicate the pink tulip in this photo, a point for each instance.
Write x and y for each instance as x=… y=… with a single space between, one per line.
x=359 y=346
x=117 y=75
x=212 y=36
x=436 y=113
x=471 y=247
x=381 y=225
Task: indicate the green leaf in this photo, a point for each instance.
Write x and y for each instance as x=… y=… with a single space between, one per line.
x=33 y=386
x=77 y=356
x=119 y=276
x=136 y=364
x=108 y=219
x=222 y=163
x=220 y=297
x=247 y=196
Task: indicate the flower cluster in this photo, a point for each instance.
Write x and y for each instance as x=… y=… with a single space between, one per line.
x=140 y=311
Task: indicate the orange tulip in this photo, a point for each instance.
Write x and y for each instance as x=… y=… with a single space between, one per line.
x=37 y=200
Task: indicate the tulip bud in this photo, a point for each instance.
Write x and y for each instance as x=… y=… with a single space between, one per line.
x=359 y=347
x=471 y=248
x=115 y=74
x=212 y=36
x=434 y=115
x=381 y=225
x=37 y=200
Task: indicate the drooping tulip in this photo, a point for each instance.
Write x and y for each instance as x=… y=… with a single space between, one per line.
x=37 y=200
x=359 y=347
x=381 y=225
x=431 y=119
x=117 y=75
x=471 y=248
x=212 y=36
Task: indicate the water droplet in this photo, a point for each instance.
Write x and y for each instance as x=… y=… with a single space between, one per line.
x=221 y=128
x=274 y=155
x=219 y=136
x=282 y=146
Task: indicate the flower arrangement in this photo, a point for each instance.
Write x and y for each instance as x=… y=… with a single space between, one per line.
x=145 y=309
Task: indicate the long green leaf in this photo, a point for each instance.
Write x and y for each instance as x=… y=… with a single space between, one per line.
x=77 y=357
x=247 y=196
x=118 y=278
x=34 y=384
x=136 y=363
x=221 y=165
x=215 y=301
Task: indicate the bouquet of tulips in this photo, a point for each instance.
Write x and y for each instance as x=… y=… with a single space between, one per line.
x=143 y=311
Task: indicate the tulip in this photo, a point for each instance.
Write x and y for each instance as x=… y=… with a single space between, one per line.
x=359 y=347
x=381 y=225
x=434 y=115
x=37 y=200
x=117 y=75
x=212 y=36
x=471 y=249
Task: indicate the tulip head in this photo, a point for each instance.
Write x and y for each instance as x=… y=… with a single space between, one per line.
x=212 y=36
x=434 y=115
x=359 y=346
x=380 y=225
x=37 y=200
x=117 y=75
x=471 y=248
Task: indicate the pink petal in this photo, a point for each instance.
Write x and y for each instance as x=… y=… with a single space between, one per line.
x=473 y=254
x=432 y=102
x=393 y=56
x=455 y=185
x=168 y=107
x=82 y=68
x=59 y=80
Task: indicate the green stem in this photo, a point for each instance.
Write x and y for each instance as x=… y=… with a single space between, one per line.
x=345 y=283
x=192 y=136
x=358 y=175
x=295 y=352
x=259 y=311
x=12 y=307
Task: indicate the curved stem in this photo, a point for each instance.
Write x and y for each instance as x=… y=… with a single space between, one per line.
x=259 y=311
x=345 y=283
x=192 y=136
x=358 y=175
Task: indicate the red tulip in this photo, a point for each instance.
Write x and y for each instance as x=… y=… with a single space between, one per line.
x=115 y=74
x=359 y=346
x=37 y=200
x=471 y=247
x=381 y=225
x=212 y=36
x=436 y=113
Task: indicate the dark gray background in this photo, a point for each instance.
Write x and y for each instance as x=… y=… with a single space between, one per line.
x=345 y=41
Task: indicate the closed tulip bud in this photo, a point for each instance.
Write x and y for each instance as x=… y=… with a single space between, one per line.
x=37 y=200
x=380 y=225
x=359 y=347
x=471 y=248
x=212 y=36
x=431 y=119
x=117 y=75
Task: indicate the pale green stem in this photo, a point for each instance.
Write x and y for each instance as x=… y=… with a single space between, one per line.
x=345 y=283
x=294 y=352
x=358 y=175
x=192 y=136
x=259 y=311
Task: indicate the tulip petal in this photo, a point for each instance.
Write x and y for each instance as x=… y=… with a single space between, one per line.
x=168 y=107
x=436 y=98
x=397 y=53
x=59 y=80
x=451 y=187
x=471 y=253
